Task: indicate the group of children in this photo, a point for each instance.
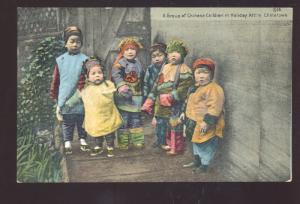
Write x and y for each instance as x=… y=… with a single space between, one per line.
x=182 y=101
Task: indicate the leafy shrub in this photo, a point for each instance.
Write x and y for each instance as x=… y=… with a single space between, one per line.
x=35 y=111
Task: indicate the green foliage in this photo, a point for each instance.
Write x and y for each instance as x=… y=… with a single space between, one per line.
x=36 y=163
x=35 y=111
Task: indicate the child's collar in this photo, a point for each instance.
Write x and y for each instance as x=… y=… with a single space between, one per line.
x=70 y=53
x=203 y=85
x=158 y=67
x=92 y=83
x=130 y=60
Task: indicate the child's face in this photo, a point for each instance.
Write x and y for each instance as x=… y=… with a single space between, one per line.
x=129 y=53
x=174 y=57
x=201 y=77
x=73 y=44
x=157 y=58
x=95 y=75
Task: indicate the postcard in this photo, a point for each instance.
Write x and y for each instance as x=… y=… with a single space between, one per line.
x=154 y=94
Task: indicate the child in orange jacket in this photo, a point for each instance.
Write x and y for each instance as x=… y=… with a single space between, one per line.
x=204 y=114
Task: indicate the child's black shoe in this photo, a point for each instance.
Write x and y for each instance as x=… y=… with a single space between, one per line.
x=139 y=146
x=201 y=169
x=110 y=152
x=68 y=150
x=96 y=151
x=68 y=147
x=85 y=148
x=196 y=163
x=190 y=165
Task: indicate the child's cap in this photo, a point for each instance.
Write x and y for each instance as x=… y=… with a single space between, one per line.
x=72 y=30
x=129 y=42
x=158 y=46
x=91 y=62
x=205 y=63
x=178 y=46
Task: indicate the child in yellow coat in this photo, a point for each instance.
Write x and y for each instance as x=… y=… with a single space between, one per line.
x=101 y=118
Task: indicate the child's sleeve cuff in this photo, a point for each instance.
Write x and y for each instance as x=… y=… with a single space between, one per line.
x=151 y=95
x=175 y=95
x=210 y=119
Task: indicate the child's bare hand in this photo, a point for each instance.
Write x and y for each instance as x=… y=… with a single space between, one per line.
x=79 y=92
x=182 y=117
x=203 y=127
x=58 y=114
x=154 y=122
x=166 y=99
x=123 y=89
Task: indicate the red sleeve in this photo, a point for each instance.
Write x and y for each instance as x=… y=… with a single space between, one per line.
x=55 y=83
x=81 y=82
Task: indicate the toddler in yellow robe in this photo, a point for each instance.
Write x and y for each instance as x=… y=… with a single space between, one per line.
x=101 y=118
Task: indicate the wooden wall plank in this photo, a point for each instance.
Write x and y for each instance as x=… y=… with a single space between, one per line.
x=110 y=31
x=135 y=15
x=97 y=32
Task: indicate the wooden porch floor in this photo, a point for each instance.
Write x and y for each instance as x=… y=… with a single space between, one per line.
x=147 y=165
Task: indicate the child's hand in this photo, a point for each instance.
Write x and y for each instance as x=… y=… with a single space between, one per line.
x=148 y=106
x=58 y=114
x=203 y=127
x=79 y=92
x=166 y=99
x=125 y=92
x=182 y=117
x=123 y=89
x=75 y=99
x=154 y=122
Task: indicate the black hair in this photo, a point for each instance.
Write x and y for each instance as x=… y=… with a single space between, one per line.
x=161 y=47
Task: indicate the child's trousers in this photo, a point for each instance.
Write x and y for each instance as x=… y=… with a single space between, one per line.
x=161 y=129
x=131 y=130
x=68 y=124
x=175 y=139
x=98 y=141
x=206 y=150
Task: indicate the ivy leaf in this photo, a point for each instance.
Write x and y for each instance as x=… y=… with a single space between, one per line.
x=40 y=73
x=33 y=100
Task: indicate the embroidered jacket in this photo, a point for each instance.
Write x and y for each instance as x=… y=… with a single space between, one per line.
x=129 y=73
x=165 y=86
x=149 y=79
x=206 y=103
